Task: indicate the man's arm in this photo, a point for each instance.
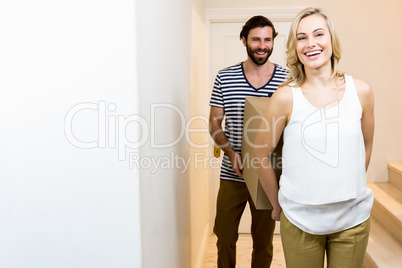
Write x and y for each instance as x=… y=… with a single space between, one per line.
x=217 y=134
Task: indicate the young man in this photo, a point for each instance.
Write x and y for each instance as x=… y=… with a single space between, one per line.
x=255 y=77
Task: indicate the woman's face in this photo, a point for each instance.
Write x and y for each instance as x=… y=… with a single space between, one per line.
x=314 y=48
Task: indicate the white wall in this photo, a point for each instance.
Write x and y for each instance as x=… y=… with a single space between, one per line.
x=370 y=36
x=200 y=147
x=61 y=205
x=164 y=43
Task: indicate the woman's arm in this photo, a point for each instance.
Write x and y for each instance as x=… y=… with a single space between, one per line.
x=366 y=98
x=277 y=114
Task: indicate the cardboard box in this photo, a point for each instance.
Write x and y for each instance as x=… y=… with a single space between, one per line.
x=254 y=111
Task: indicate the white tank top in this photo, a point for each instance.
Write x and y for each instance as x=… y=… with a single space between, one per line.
x=323 y=182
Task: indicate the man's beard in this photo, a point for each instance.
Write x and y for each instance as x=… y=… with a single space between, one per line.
x=258 y=60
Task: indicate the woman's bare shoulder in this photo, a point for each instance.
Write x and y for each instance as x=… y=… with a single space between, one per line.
x=364 y=91
x=283 y=94
x=282 y=99
x=362 y=86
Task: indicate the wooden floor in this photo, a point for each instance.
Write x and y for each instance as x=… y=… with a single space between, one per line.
x=244 y=248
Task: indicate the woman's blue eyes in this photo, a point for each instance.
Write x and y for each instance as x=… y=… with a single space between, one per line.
x=303 y=37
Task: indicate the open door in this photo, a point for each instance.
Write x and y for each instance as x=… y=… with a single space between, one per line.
x=226 y=50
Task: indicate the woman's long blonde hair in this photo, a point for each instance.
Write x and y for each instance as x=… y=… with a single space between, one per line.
x=297 y=73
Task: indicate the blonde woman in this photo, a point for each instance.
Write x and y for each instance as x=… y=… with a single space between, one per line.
x=327 y=120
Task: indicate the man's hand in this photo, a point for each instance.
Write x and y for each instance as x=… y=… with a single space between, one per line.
x=218 y=135
x=237 y=164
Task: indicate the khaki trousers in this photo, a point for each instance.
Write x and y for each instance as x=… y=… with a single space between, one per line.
x=232 y=199
x=345 y=249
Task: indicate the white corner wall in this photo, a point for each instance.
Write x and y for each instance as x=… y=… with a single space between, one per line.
x=164 y=42
x=68 y=82
x=200 y=141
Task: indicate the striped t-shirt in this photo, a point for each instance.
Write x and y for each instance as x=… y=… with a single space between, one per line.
x=231 y=87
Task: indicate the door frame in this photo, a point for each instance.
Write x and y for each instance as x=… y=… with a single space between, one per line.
x=228 y=15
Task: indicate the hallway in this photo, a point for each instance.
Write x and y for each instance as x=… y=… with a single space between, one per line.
x=106 y=156
x=244 y=248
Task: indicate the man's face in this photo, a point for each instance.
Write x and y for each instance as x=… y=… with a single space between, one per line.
x=259 y=44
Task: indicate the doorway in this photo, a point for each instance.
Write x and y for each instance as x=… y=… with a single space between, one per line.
x=226 y=49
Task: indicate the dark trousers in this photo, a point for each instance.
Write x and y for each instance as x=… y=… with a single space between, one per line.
x=232 y=199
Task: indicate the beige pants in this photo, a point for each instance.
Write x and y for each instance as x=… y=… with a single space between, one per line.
x=345 y=249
